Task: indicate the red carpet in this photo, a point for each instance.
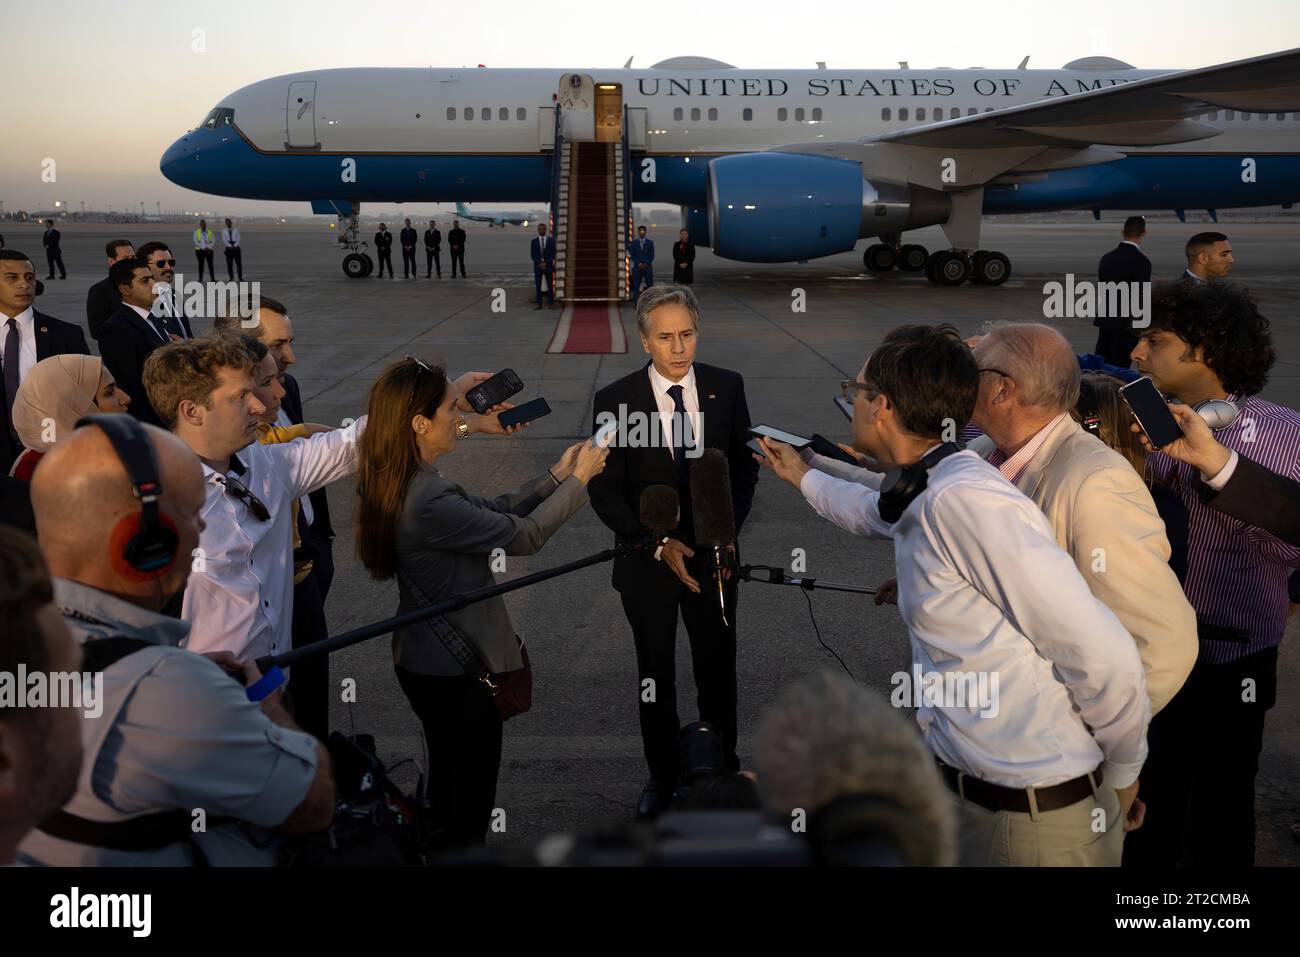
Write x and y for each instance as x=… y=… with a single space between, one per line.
x=589 y=329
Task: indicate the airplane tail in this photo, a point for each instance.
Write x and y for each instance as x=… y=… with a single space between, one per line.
x=460 y=208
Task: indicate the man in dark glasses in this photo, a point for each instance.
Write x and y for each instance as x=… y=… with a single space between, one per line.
x=169 y=300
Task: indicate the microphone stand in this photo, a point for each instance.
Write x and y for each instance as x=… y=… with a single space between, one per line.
x=455 y=603
x=777 y=576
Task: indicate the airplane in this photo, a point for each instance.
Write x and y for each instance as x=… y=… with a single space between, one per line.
x=777 y=165
x=509 y=217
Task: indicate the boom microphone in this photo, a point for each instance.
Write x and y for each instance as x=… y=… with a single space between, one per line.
x=660 y=508
x=711 y=509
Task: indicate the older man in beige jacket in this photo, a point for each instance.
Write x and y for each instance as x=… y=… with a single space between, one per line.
x=1099 y=508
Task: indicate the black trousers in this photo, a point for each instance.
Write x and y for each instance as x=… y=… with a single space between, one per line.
x=409 y=268
x=234 y=261
x=713 y=659
x=309 y=679
x=433 y=257
x=1116 y=345
x=55 y=258
x=457 y=258
x=385 y=258
x=1198 y=782
x=463 y=733
x=206 y=256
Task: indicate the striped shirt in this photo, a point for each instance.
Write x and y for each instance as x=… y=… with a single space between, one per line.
x=1237 y=573
x=1013 y=466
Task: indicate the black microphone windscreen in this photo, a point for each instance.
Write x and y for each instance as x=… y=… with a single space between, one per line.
x=659 y=508
x=711 y=509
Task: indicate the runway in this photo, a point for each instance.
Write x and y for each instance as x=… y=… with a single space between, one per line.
x=575 y=759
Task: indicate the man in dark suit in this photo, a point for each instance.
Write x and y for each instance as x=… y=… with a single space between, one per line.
x=26 y=337
x=1209 y=260
x=456 y=240
x=642 y=252
x=432 y=250
x=543 y=252
x=673 y=388
x=384 y=247
x=683 y=259
x=169 y=301
x=53 y=253
x=102 y=298
x=408 y=237
x=133 y=331
x=1125 y=263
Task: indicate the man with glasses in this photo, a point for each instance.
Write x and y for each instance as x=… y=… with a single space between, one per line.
x=170 y=303
x=987 y=594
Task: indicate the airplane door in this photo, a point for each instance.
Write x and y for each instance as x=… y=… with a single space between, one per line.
x=300 y=116
x=577 y=107
x=609 y=112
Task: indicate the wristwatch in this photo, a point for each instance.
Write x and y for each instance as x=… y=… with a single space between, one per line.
x=661 y=542
x=462 y=427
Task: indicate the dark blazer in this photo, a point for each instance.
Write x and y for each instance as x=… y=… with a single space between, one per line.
x=538 y=254
x=456 y=238
x=125 y=341
x=16 y=504
x=51 y=239
x=408 y=237
x=684 y=252
x=433 y=239
x=54 y=337
x=639 y=254
x=101 y=300
x=1259 y=497
x=1124 y=263
x=616 y=492
x=383 y=240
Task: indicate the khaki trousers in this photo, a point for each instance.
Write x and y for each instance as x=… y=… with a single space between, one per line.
x=1088 y=833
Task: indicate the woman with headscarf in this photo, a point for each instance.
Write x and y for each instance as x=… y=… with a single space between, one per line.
x=54 y=395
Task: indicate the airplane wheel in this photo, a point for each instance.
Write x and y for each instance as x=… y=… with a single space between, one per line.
x=879 y=258
x=370 y=264
x=990 y=268
x=948 y=268
x=354 y=266
x=912 y=258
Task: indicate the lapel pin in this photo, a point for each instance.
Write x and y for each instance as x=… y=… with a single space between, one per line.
x=712 y=396
x=47 y=329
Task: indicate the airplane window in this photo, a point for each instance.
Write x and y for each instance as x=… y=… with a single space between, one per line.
x=1280 y=116
x=954 y=113
x=988 y=109
x=695 y=113
x=1245 y=116
x=1229 y=115
x=971 y=111
x=817 y=114
x=210 y=121
x=886 y=113
x=920 y=112
x=469 y=113
x=487 y=112
x=451 y=112
x=902 y=113
x=713 y=113
x=503 y=114
x=782 y=113
x=677 y=113
x=521 y=114
x=747 y=115
x=1214 y=117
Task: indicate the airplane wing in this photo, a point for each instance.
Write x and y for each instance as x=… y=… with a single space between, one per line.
x=1147 y=112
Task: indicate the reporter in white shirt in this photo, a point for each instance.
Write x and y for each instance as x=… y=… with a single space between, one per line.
x=985 y=590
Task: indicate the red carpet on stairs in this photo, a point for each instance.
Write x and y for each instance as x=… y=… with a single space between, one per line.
x=589 y=329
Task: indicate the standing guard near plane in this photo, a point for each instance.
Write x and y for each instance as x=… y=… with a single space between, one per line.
x=642 y=253
x=234 y=254
x=204 y=243
x=1125 y=263
x=408 y=237
x=384 y=247
x=684 y=259
x=543 y=253
x=456 y=240
x=432 y=250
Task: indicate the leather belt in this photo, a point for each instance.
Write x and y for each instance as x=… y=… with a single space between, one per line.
x=995 y=797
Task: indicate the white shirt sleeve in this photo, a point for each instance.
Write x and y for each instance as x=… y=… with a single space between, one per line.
x=851 y=506
x=1005 y=549
x=319 y=459
x=1220 y=478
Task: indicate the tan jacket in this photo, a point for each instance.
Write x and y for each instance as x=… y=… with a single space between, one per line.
x=1102 y=513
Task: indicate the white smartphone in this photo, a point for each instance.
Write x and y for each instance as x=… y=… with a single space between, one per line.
x=780 y=435
x=604 y=433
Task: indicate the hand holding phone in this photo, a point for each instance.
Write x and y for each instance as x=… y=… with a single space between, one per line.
x=528 y=412
x=494 y=391
x=1151 y=411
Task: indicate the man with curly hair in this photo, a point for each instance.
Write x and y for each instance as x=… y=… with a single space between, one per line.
x=1210 y=342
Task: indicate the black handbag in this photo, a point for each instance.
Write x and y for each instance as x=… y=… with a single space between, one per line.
x=511 y=691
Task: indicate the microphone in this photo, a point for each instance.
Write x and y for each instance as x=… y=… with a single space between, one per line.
x=660 y=513
x=711 y=510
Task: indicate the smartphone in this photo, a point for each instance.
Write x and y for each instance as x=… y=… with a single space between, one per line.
x=824 y=446
x=845 y=406
x=527 y=412
x=757 y=449
x=494 y=391
x=1151 y=411
x=789 y=438
x=603 y=433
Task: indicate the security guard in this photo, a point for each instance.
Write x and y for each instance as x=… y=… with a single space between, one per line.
x=433 y=250
x=181 y=765
x=204 y=245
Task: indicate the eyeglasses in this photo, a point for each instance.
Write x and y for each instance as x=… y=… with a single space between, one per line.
x=848 y=386
x=1005 y=375
x=163 y=262
x=241 y=491
x=420 y=365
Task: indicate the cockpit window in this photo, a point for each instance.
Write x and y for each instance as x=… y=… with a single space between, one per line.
x=221 y=116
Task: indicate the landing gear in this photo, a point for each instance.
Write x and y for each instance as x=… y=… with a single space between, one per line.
x=948 y=267
x=990 y=268
x=356 y=264
x=879 y=258
x=912 y=258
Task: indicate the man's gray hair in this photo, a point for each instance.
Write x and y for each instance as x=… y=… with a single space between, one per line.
x=1040 y=361
x=652 y=297
x=828 y=737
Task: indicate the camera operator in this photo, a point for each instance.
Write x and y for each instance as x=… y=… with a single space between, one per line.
x=986 y=592
x=416 y=524
x=177 y=741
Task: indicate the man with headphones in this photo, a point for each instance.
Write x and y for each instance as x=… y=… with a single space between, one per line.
x=179 y=740
x=987 y=594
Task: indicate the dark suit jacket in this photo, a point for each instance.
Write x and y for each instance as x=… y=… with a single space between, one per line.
x=616 y=493
x=642 y=255
x=383 y=240
x=1124 y=263
x=408 y=237
x=1259 y=497
x=456 y=238
x=51 y=240
x=535 y=250
x=322 y=532
x=16 y=504
x=101 y=300
x=683 y=252
x=54 y=337
x=124 y=343
x=433 y=239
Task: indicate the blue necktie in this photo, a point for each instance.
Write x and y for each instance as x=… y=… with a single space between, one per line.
x=679 y=451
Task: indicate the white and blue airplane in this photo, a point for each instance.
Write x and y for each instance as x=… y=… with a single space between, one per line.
x=508 y=217
x=779 y=165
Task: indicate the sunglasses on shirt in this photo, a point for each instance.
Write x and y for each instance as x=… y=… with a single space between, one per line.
x=239 y=490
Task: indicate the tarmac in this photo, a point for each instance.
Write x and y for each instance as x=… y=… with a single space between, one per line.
x=575 y=760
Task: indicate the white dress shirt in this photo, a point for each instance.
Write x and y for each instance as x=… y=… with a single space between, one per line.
x=230 y=236
x=26 y=321
x=659 y=386
x=148 y=317
x=240 y=594
x=984 y=588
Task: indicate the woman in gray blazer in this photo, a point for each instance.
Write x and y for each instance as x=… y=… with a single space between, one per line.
x=437 y=539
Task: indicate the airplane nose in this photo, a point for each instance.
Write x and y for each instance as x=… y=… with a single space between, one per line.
x=173 y=162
